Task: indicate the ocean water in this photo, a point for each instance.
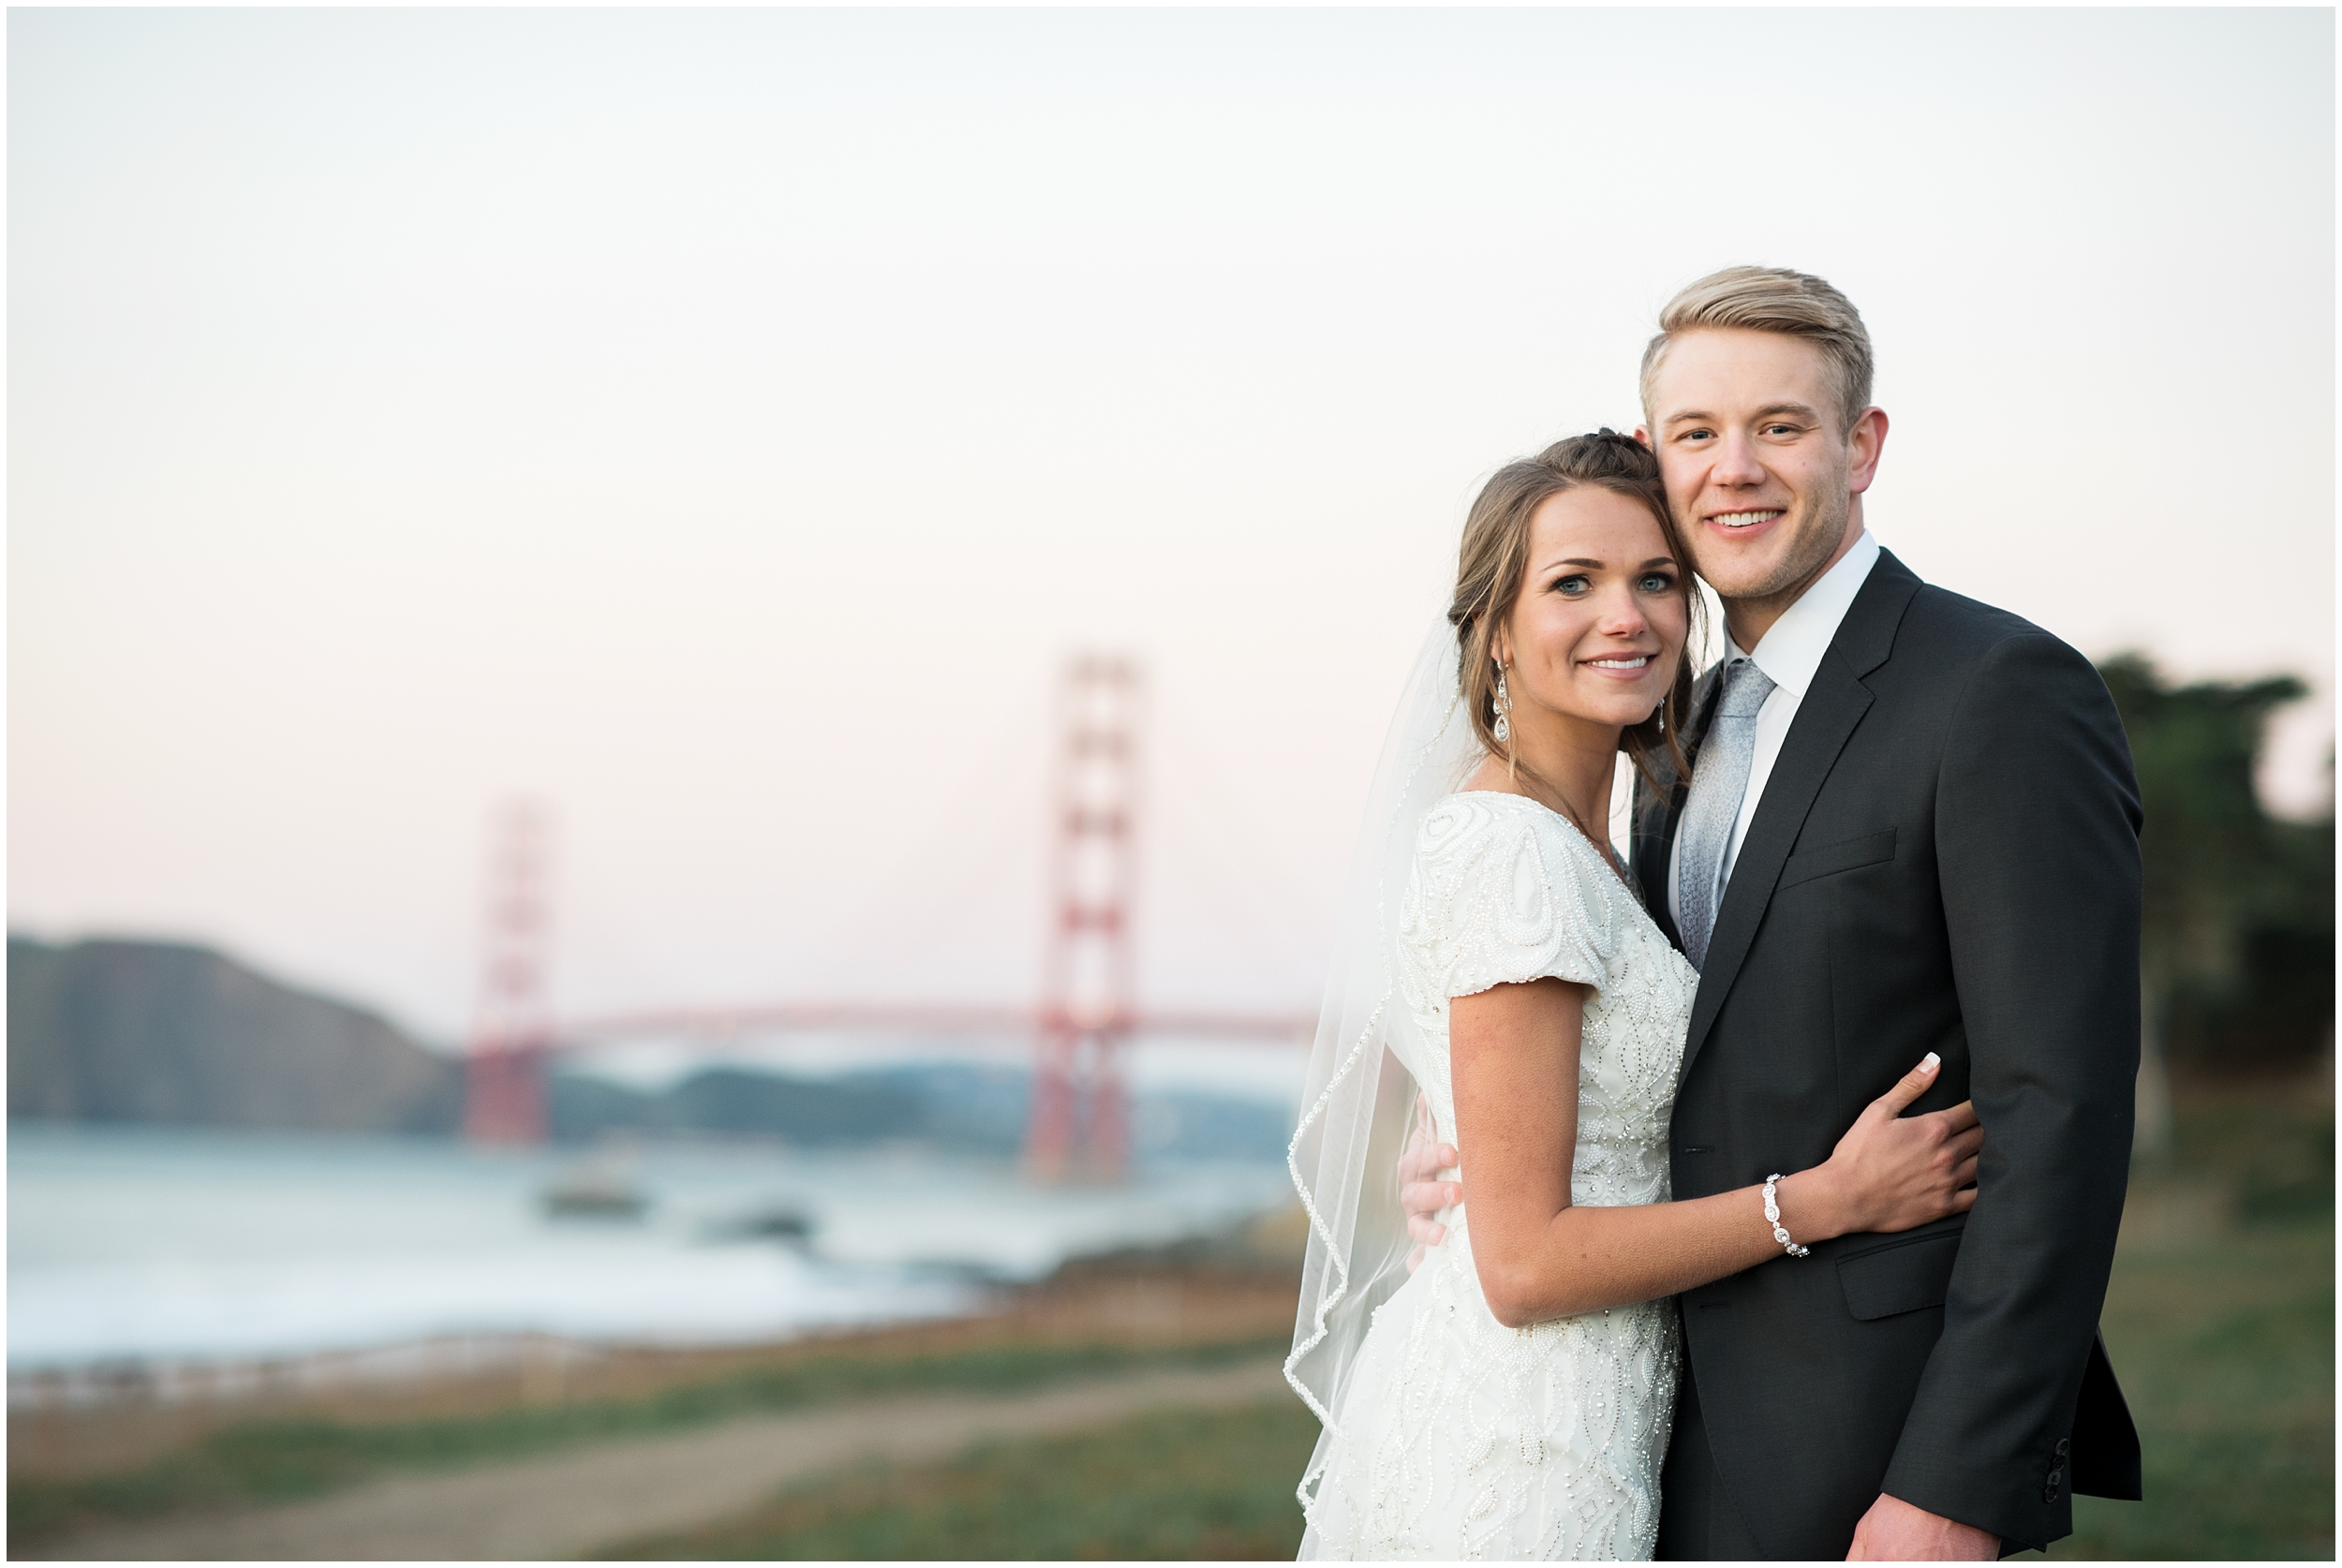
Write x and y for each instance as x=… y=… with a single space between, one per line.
x=180 y=1244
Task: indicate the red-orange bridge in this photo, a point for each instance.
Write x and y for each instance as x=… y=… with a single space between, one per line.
x=1079 y=1029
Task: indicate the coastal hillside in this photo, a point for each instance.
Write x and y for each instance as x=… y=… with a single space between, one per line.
x=144 y=1031
x=164 y=1032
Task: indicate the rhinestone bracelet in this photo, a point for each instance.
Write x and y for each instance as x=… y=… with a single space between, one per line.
x=1772 y=1217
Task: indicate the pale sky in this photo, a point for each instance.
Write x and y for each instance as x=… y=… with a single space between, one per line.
x=721 y=423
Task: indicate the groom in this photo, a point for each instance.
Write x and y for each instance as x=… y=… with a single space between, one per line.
x=1910 y=826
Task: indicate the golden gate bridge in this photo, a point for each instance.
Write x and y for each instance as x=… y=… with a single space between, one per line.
x=1080 y=1028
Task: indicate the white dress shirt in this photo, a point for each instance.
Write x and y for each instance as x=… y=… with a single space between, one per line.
x=1788 y=654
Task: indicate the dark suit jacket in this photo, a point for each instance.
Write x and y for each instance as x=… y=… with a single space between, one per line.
x=1944 y=858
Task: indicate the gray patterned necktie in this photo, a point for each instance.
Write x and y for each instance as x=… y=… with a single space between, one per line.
x=1719 y=780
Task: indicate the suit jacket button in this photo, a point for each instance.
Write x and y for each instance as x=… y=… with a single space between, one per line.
x=2065 y=1447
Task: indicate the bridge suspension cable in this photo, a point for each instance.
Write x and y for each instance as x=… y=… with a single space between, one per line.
x=1078 y=1122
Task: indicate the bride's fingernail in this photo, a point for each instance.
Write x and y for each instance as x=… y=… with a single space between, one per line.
x=1930 y=1062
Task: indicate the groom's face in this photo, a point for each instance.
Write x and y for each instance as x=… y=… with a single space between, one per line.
x=1759 y=468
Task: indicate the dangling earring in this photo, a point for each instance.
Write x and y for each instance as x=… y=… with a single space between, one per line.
x=1503 y=730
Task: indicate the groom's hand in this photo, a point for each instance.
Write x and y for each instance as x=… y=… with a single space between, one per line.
x=1895 y=1532
x=1419 y=1194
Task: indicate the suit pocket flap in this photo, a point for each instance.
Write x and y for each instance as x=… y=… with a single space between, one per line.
x=1900 y=1277
x=1806 y=865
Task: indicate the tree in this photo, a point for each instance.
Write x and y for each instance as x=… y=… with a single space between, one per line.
x=2227 y=884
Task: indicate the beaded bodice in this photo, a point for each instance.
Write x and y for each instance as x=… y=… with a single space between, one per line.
x=1506 y=890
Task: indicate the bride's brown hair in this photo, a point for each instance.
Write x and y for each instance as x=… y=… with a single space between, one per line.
x=1494 y=557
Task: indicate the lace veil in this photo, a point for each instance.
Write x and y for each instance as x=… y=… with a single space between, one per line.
x=1359 y=1097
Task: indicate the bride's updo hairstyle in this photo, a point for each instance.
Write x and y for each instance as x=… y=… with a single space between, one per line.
x=1495 y=557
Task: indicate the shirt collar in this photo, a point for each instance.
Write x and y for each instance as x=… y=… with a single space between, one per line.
x=1790 y=651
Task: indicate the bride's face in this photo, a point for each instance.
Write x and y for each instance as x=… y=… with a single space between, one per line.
x=1599 y=626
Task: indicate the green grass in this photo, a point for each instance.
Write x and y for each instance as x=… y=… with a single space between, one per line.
x=2225 y=1354
x=2222 y=1334
x=1175 y=1484
x=270 y=1461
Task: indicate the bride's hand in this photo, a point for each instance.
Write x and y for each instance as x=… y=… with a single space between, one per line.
x=1891 y=1171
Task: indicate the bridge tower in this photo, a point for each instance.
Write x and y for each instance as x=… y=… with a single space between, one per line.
x=504 y=1087
x=1079 y=1124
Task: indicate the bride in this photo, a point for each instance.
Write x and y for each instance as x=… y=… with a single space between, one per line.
x=1514 y=1396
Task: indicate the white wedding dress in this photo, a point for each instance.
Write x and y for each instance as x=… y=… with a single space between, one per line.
x=1459 y=1437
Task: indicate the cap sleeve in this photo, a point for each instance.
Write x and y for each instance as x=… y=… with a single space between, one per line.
x=1501 y=894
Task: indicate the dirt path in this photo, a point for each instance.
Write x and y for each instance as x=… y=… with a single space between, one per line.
x=563 y=1504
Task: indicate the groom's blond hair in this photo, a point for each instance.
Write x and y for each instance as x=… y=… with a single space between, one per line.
x=1772 y=300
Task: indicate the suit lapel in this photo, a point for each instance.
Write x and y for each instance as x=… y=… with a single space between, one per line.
x=1653 y=839
x=1827 y=717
